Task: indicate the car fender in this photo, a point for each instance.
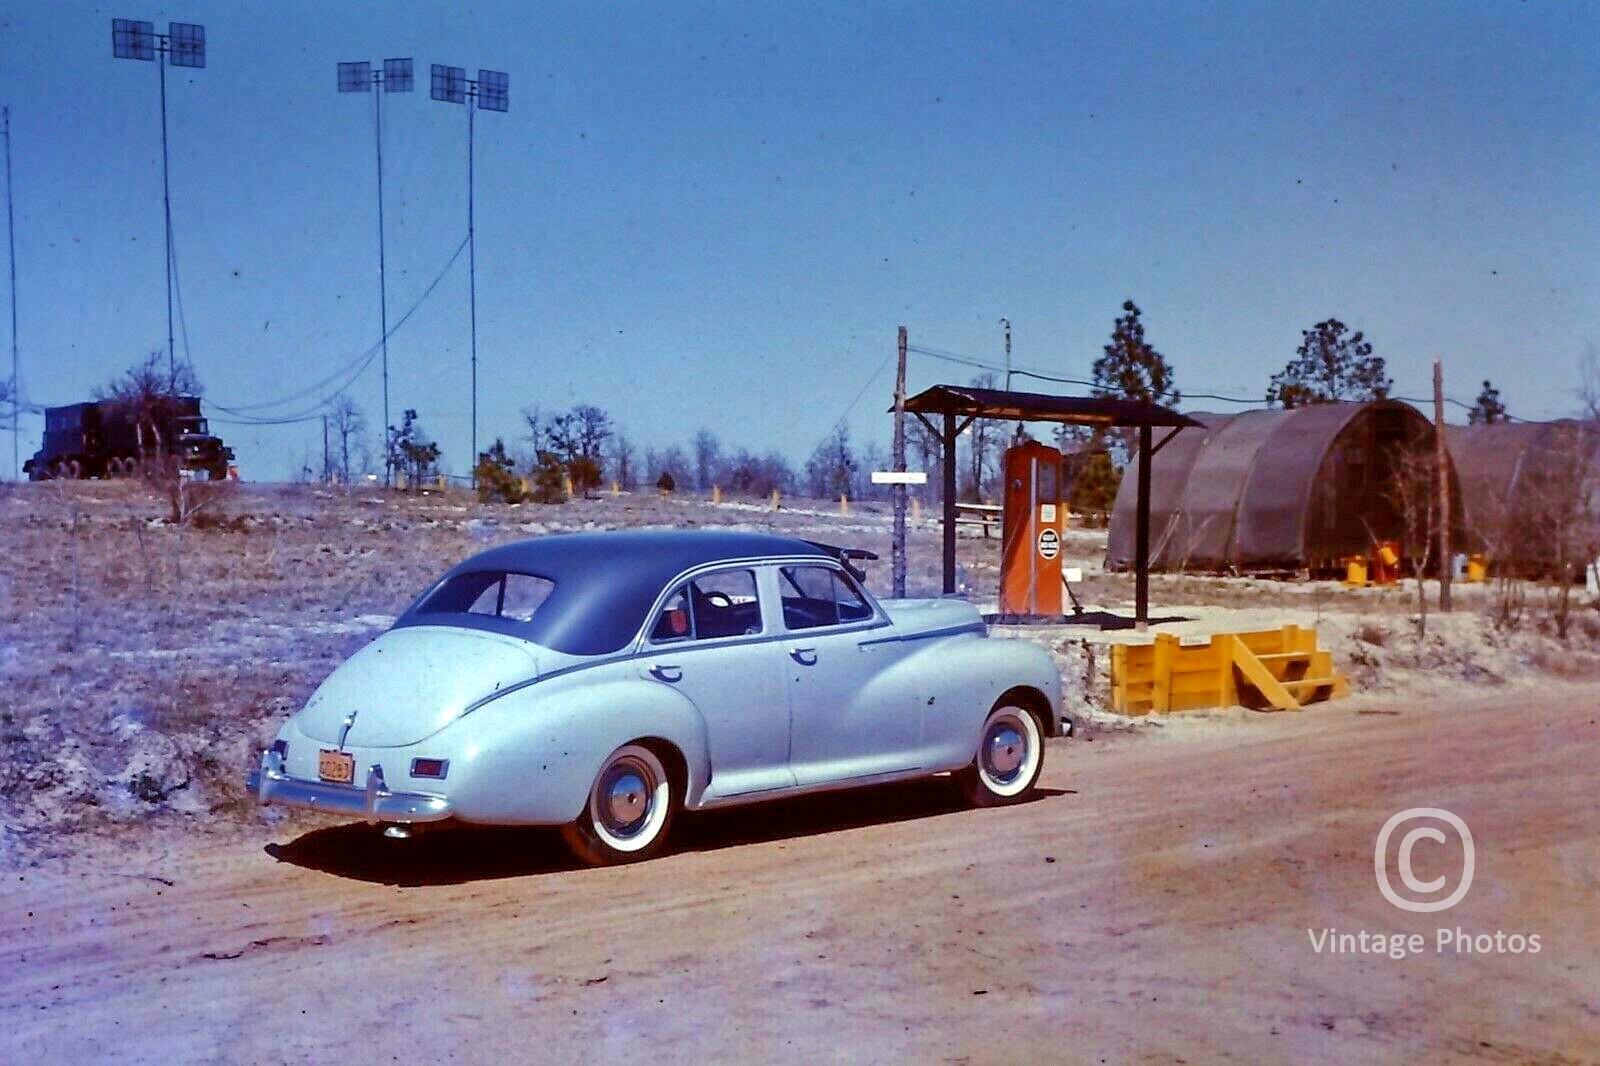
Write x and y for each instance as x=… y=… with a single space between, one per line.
x=964 y=678
x=532 y=755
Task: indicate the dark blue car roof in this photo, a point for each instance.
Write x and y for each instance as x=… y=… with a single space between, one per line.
x=605 y=583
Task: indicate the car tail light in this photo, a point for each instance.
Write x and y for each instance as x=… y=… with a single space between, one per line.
x=430 y=768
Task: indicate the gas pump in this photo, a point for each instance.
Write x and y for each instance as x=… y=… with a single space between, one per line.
x=1030 y=564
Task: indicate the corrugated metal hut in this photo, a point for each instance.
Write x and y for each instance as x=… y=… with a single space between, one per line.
x=1512 y=477
x=1273 y=490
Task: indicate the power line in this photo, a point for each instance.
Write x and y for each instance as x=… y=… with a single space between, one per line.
x=352 y=369
x=867 y=385
x=981 y=364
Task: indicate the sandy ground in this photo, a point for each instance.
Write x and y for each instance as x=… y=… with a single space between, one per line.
x=1152 y=905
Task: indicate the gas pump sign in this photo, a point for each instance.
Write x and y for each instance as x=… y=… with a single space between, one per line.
x=1049 y=543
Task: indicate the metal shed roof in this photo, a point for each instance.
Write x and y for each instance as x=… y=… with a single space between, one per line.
x=971 y=402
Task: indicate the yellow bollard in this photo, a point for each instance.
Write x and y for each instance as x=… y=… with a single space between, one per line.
x=441 y=481
x=916 y=509
x=523 y=482
x=716 y=494
x=774 y=499
x=844 y=505
x=616 y=490
x=566 y=485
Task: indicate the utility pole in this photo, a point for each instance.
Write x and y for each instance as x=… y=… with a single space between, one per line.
x=1006 y=322
x=16 y=373
x=899 y=547
x=1442 y=456
x=324 y=449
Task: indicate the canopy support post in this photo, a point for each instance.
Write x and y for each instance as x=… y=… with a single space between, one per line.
x=949 y=441
x=1141 y=548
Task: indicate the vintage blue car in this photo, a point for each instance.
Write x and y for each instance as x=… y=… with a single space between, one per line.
x=602 y=682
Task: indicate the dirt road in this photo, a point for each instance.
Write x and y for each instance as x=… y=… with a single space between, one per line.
x=1153 y=905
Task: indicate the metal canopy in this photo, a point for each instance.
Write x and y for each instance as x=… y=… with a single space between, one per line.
x=1041 y=407
x=959 y=401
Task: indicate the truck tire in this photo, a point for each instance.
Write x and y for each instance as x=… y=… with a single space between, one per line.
x=74 y=469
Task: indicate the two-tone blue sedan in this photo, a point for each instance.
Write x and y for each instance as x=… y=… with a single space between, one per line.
x=601 y=682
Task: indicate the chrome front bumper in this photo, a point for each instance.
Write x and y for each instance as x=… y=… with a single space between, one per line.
x=269 y=784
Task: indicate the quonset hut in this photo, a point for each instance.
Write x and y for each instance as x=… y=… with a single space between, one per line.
x=1274 y=490
x=1526 y=484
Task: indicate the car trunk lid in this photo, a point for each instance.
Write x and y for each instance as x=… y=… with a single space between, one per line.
x=410 y=683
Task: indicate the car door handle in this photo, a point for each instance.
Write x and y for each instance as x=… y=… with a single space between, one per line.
x=804 y=656
x=669 y=674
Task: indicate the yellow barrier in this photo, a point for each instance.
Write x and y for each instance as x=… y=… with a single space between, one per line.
x=1279 y=669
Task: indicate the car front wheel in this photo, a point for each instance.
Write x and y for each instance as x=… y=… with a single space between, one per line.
x=1008 y=761
x=629 y=811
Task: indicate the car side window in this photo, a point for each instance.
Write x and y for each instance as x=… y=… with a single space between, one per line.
x=853 y=606
x=674 y=623
x=723 y=604
x=816 y=596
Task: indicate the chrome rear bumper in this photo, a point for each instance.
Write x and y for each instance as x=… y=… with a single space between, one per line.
x=269 y=784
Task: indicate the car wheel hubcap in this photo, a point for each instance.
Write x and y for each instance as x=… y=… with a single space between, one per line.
x=1005 y=751
x=626 y=798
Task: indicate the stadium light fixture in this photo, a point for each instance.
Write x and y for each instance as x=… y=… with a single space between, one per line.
x=394 y=76
x=490 y=92
x=184 y=45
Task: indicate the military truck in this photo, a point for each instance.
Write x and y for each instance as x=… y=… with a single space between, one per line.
x=108 y=439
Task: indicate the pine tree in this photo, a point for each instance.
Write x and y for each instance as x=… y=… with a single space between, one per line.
x=1487 y=409
x=1330 y=365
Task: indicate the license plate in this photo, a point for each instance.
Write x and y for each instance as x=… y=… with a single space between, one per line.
x=336 y=766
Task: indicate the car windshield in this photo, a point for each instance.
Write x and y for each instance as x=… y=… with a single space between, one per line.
x=489 y=593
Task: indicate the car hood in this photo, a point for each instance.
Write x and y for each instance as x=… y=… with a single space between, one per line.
x=410 y=683
x=931 y=615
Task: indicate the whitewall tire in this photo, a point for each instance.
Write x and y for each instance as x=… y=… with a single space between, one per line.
x=629 y=811
x=1008 y=761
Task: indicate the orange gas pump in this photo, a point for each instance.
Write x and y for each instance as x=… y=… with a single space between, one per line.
x=1030 y=563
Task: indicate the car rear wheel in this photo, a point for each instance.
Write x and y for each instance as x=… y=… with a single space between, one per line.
x=629 y=811
x=1009 y=759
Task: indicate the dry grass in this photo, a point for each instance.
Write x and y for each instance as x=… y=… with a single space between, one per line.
x=144 y=664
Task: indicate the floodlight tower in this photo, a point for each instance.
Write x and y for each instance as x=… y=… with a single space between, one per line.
x=185 y=43
x=16 y=373
x=491 y=92
x=393 y=77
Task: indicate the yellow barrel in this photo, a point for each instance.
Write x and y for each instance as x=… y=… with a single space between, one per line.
x=1387 y=553
x=1477 y=568
x=1355 y=571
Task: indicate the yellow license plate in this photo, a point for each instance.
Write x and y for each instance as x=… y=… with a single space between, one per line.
x=336 y=766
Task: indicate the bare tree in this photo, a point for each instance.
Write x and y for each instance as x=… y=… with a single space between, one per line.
x=349 y=426
x=707 y=459
x=1557 y=500
x=1413 y=488
x=622 y=462
x=984 y=439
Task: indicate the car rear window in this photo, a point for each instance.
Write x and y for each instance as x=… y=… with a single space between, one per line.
x=489 y=593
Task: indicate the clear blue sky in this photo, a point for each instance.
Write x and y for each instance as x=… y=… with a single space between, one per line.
x=717 y=215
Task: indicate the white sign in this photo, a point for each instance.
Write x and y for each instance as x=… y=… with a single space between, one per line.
x=1072 y=574
x=897 y=477
x=1047 y=512
x=1049 y=543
